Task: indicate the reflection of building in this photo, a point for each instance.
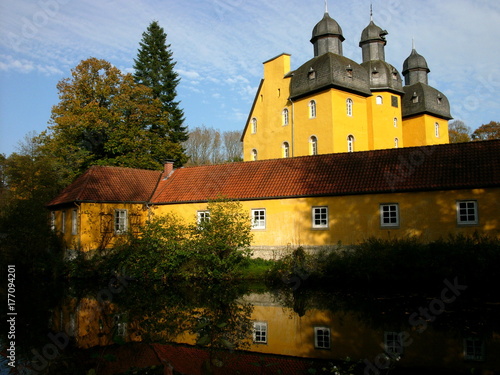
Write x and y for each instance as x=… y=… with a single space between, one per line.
x=348 y=122
x=315 y=333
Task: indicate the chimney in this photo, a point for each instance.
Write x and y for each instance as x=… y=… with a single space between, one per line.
x=168 y=168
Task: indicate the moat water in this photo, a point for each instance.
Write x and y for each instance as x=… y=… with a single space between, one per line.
x=126 y=327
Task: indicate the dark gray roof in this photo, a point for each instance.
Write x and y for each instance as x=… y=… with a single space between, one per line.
x=329 y=71
x=383 y=76
x=420 y=98
x=372 y=33
x=327 y=26
x=415 y=61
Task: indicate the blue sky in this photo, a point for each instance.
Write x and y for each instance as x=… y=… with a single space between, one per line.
x=219 y=46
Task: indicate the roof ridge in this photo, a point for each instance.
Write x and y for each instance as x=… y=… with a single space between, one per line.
x=83 y=187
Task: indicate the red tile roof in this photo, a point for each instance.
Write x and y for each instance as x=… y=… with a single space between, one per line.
x=110 y=184
x=442 y=167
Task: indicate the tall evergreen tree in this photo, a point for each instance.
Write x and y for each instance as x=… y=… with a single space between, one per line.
x=154 y=67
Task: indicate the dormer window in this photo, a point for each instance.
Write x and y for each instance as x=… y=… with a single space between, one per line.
x=395 y=75
x=439 y=99
x=311 y=74
x=414 y=97
x=375 y=73
x=348 y=69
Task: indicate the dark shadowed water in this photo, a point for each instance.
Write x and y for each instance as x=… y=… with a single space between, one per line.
x=126 y=327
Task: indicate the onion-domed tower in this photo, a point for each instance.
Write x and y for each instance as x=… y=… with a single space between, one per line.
x=387 y=89
x=426 y=111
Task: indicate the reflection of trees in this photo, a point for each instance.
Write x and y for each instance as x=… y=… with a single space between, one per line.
x=214 y=313
x=470 y=314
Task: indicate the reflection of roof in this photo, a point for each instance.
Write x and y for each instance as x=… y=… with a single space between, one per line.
x=440 y=167
x=420 y=98
x=326 y=71
x=190 y=360
x=110 y=184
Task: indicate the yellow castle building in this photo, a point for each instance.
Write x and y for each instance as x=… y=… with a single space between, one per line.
x=332 y=104
x=334 y=152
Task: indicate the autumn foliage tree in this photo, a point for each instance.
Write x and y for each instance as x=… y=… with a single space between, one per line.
x=104 y=117
x=487 y=131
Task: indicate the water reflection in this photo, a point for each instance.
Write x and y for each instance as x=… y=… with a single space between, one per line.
x=230 y=329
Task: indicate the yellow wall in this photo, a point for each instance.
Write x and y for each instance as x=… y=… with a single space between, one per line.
x=352 y=219
x=383 y=132
x=269 y=103
x=95 y=224
x=420 y=131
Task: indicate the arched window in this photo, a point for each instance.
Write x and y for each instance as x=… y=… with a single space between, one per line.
x=313 y=141
x=254 y=125
x=396 y=143
x=312 y=109
x=379 y=100
x=286 y=150
x=395 y=122
x=284 y=115
x=254 y=154
x=350 y=143
x=348 y=104
x=436 y=130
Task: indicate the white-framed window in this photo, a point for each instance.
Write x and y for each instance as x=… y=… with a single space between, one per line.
x=202 y=216
x=474 y=349
x=52 y=221
x=121 y=221
x=258 y=218
x=467 y=213
x=393 y=343
x=396 y=142
x=312 y=109
x=436 y=130
x=74 y=222
x=254 y=125
x=322 y=337
x=379 y=100
x=350 y=143
x=120 y=325
x=389 y=215
x=260 y=332
x=349 y=104
x=286 y=149
x=395 y=122
x=285 y=117
x=313 y=142
x=254 y=154
x=320 y=217
x=63 y=222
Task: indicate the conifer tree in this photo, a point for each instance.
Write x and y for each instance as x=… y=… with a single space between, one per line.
x=154 y=67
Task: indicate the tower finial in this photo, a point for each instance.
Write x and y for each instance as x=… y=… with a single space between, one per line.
x=326 y=6
x=412 y=43
x=371 y=12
